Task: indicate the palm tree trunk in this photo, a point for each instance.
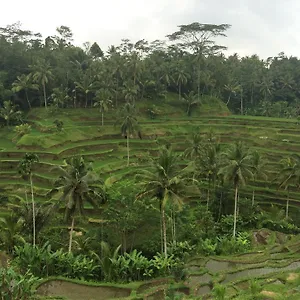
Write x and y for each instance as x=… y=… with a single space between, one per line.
x=86 y=100
x=33 y=211
x=127 y=149
x=179 y=91
x=253 y=196
x=45 y=96
x=26 y=94
x=164 y=230
x=235 y=209
x=102 y=121
x=71 y=235
x=287 y=208
x=242 y=104
x=228 y=100
x=207 y=203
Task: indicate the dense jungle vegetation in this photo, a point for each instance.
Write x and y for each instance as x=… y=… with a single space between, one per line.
x=139 y=162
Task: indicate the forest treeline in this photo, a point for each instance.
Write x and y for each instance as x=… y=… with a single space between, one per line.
x=36 y=72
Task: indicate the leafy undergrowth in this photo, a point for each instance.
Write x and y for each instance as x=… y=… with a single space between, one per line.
x=270 y=274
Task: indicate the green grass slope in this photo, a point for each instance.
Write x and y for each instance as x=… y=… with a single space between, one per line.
x=106 y=148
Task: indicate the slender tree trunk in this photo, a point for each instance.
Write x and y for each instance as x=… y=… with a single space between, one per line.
x=174 y=226
x=228 y=100
x=235 y=210
x=179 y=91
x=253 y=197
x=45 y=96
x=242 y=104
x=287 y=206
x=164 y=229
x=33 y=210
x=26 y=94
x=86 y=100
x=127 y=149
x=102 y=120
x=75 y=96
x=71 y=235
x=207 y=204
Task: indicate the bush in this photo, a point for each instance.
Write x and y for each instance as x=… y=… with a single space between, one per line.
x=42 y=262
x=14 y=285
x=21 y=130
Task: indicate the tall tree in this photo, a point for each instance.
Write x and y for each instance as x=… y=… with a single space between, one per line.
x=236 y=169
x=76 y=185
x=290 y=176
x=24 y=83
x=103 y=102
x=259 y=169
x=166 y=182
x=42 y=74
x=129 y=124
x=198 y=38
x=25 y=168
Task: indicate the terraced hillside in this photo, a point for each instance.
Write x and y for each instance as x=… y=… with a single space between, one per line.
x=106 y=148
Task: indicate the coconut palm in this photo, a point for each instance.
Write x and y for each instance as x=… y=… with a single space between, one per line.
x=24 y=83
x=10 y=232
x=166 y=182
x=25 y=168
x=209 y=165
x=236 y=169
x=290 y=175
x=259 y=167
x=103 y=101
x=85 y=85
x=129 y=124
x=9 y=112
x=195 y=147
x=42 y=74
x=191 y=102
x=181 y=78
x=76 y=185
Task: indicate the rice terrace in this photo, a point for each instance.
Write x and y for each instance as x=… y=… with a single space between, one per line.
x=151 y=171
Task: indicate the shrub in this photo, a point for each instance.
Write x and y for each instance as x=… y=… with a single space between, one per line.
x=21 y=130
x=43 y=262
x=14 y=285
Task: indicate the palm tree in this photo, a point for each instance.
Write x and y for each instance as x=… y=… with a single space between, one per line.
x=209 y=165
x=166 y=182
x=233 y=88
x=130 y=92
x=10 y=232
x=191 y=101
x=76 y=185
x=237 y=169
x=129 y=123
x=103 y=101
x=259 y=167
x=181 y=79
x=42 y=74
x=9 y=112
x=25 y=168
x=290 y=175
x=86 y=85
x=195 y=147
x=24 y=82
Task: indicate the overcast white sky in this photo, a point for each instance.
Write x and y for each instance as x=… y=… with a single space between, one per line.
x=264 y=27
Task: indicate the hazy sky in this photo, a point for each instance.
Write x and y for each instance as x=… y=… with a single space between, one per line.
x=265 y=27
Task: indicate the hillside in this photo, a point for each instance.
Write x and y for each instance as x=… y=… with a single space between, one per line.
x=103 y=145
